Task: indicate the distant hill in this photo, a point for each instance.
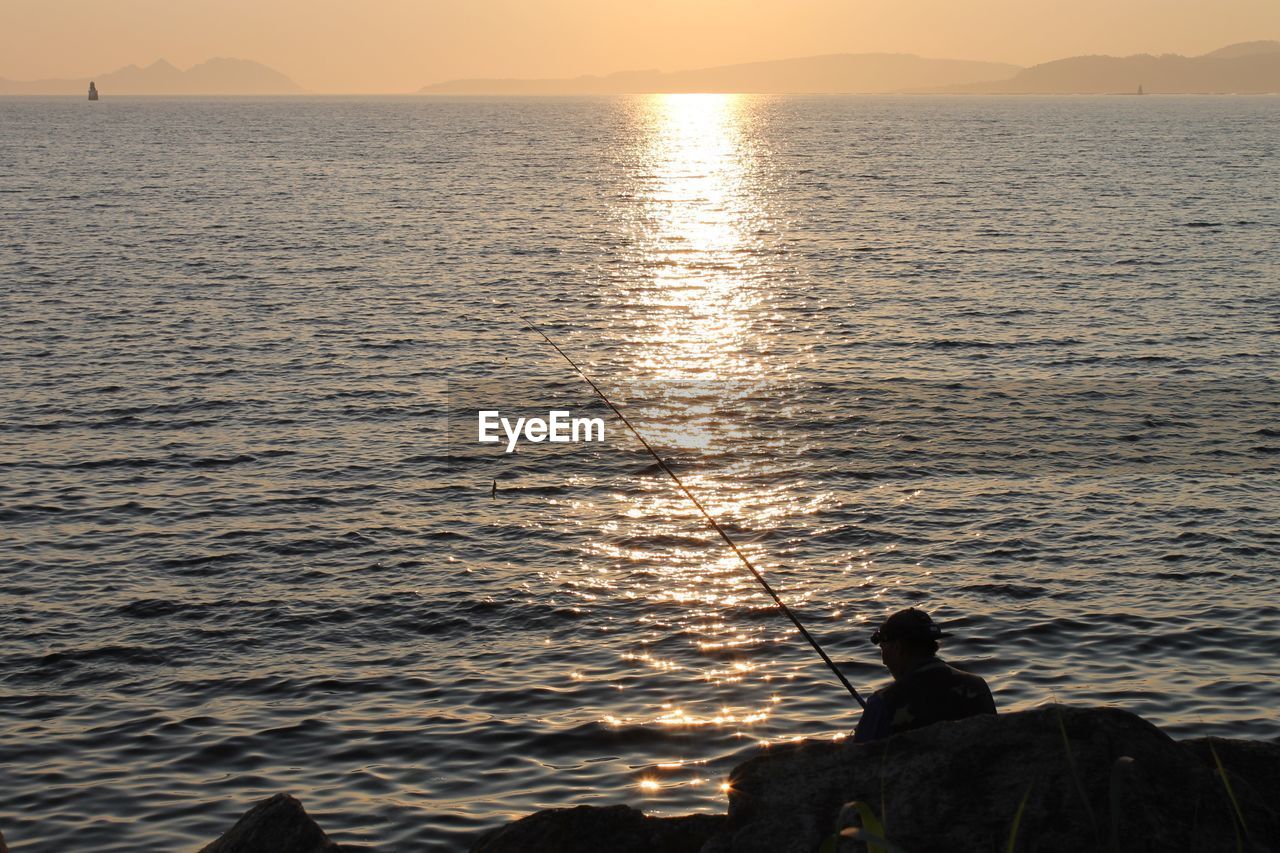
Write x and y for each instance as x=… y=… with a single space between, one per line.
x=1245 y=48
x=214 y=77
x=1249 y=68
x=842 y=72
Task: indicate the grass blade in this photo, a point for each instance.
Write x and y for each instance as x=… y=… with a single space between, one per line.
x=1017 y=820
x=1231 y=795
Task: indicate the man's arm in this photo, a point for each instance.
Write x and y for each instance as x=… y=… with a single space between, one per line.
x=874 y=723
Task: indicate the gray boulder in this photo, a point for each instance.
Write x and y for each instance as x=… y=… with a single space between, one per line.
x=278 y=824
x=592 y=829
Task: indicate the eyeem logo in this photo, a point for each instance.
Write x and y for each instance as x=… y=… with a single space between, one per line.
x=557 y=427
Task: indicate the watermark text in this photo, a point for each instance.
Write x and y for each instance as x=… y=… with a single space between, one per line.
x=558 y=427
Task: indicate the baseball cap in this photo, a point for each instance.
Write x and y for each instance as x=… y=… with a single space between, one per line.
x=909 y=624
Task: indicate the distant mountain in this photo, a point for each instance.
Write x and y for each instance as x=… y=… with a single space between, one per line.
x=1245 y=48
x=214 y=77
x=1250 y=68
x=842 y=72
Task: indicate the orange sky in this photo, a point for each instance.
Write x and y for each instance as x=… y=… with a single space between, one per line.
x=400 y=45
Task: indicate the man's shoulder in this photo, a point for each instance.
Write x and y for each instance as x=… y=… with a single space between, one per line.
x=961 y=674
x=934 y=678
x=971 y=688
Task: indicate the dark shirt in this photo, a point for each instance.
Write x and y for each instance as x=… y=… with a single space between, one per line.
x=930 y=693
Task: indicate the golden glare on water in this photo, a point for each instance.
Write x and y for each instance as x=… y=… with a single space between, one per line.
x=650 y=785
x=694 y=336
x=700 y=213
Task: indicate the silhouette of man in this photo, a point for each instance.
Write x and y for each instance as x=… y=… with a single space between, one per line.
x=924 y=690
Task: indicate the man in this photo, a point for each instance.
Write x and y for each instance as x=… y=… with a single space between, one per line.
x=924 y=690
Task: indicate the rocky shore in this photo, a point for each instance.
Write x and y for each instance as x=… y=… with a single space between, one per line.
x=1052 y=780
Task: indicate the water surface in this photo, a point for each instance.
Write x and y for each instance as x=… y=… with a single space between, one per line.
x=1008 y=359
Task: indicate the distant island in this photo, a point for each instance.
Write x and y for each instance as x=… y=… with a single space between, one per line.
x=214 y=77
x=840 y=72
x=1249 y=68
x=1246 y=68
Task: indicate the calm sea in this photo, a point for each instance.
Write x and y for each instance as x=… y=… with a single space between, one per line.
x=1011 y=360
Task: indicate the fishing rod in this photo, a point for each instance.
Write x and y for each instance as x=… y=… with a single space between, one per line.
x=725 y=536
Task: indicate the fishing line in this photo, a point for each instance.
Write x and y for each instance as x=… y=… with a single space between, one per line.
x=718 y=529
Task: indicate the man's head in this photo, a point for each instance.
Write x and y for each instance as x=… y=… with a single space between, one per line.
x=905 y=639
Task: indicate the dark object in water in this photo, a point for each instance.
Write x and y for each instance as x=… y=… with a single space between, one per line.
x=276 y=825
x=93 y=91
x=590 y=829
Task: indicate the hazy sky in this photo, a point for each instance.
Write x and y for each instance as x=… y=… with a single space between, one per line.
x=400 y=45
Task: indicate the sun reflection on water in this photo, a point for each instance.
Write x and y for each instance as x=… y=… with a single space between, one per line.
x=699 y=215
x=692 y=318
x=700 y=366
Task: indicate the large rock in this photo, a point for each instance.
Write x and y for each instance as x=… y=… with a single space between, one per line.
x=1094 y=780
x=607 y=829
x=1099 y=779
x=278 y=824
x=1255 y=762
